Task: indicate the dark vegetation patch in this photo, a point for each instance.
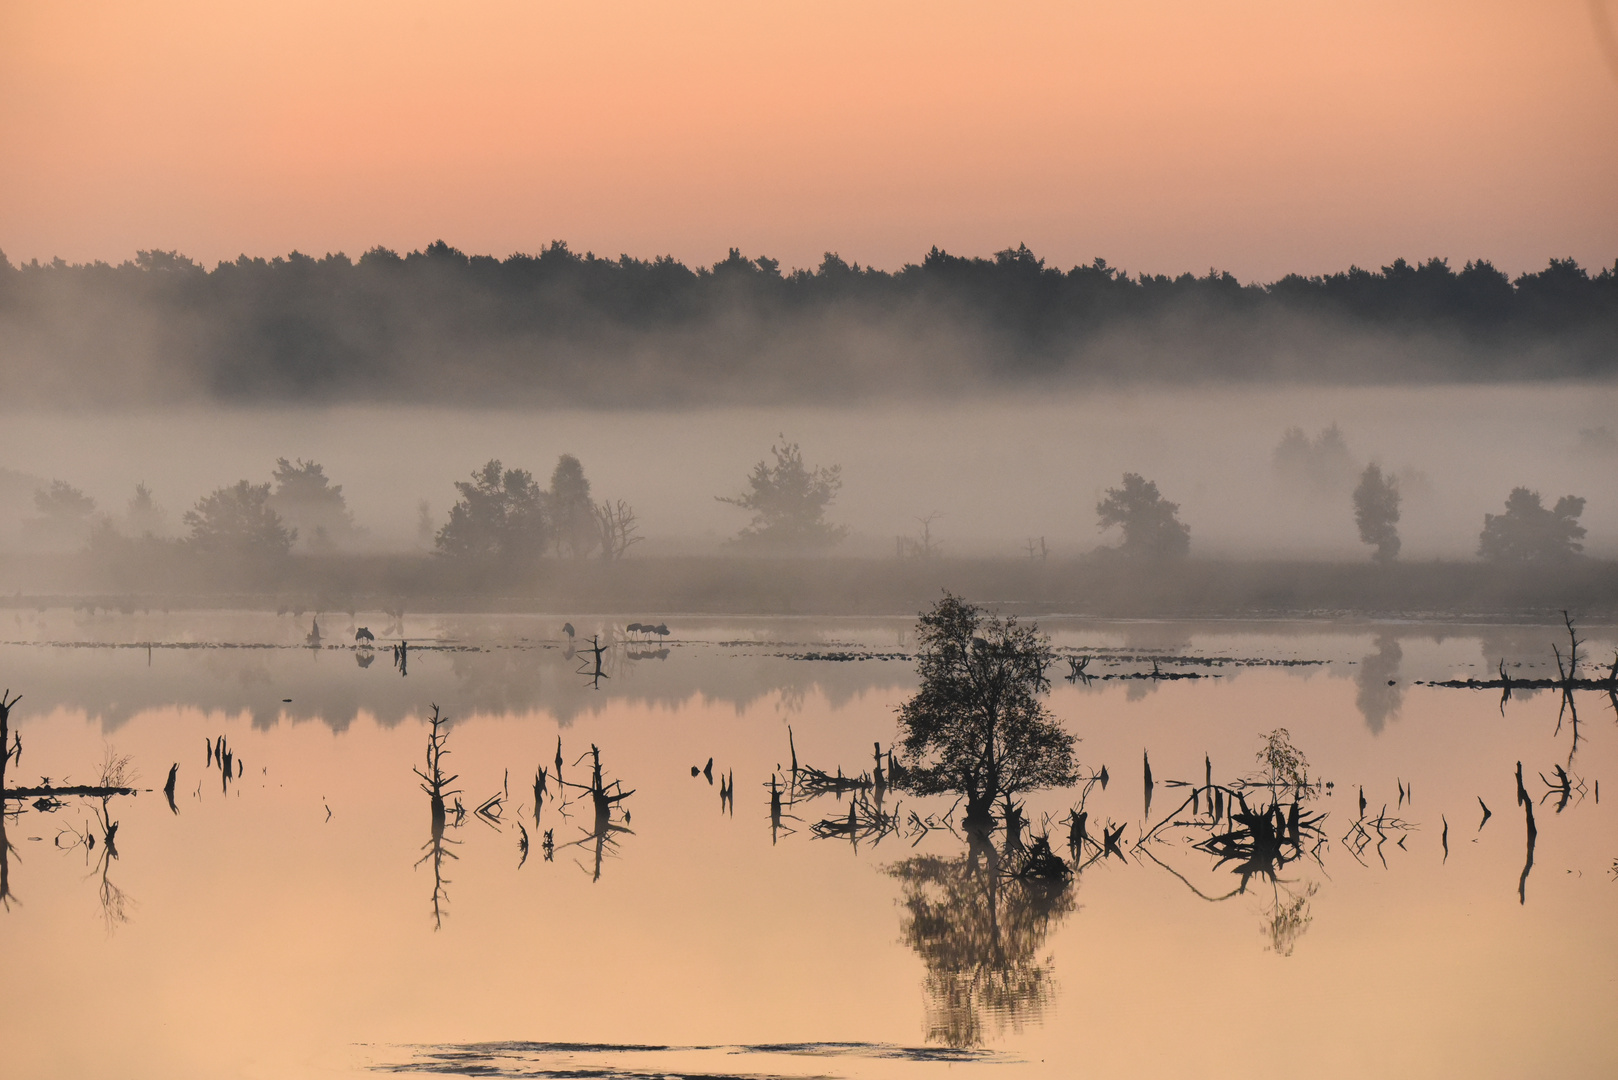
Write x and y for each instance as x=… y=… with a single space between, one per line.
x=747 y=585
x=559 y=327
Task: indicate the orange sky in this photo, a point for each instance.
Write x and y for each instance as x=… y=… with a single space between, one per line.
x=1165 y=135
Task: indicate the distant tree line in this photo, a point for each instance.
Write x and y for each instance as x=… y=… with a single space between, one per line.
x=561 y=326
x=505 y=521
x=504 y=518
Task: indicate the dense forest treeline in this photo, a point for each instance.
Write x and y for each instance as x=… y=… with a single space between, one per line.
x=559 y=327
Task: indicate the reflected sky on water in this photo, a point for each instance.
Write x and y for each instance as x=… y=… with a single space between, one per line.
x=310 y=914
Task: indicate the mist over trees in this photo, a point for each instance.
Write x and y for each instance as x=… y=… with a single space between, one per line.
x=312 y=505
x=573 y=523
x=560 y=327
x=1150 y=523
x=143 y=516
x=498 y=519
x=66 y=516
x=1376 y=512
x=500 y=548
x=1530 y=532
x=505 y=519
x=238 y=522
x=788 y=501
x=1321 y=466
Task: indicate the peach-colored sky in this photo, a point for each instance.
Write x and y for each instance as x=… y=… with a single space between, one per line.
x=1261 y=137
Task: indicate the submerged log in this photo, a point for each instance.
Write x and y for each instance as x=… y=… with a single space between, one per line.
x=89 y=790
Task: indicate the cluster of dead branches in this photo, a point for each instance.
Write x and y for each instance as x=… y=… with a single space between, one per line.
x=436 y=786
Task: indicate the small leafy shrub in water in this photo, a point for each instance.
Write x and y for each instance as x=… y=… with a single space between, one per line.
x=1283 y=762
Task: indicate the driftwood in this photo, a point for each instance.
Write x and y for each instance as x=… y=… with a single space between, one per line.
x=1567 y=672
x=45 y=790
x=91 y=791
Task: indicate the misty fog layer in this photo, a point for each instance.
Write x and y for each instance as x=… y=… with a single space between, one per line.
x=564 y=329
x=993 y=474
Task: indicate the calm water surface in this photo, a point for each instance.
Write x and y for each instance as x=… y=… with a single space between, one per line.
x=299 y=919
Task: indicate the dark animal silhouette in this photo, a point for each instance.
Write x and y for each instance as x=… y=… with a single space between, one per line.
x=567 y=628
x=364 y=634
x=707 y=770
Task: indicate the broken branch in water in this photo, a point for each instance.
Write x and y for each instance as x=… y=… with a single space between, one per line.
x=866 y=820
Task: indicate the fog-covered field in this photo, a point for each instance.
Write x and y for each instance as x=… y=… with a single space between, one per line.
x=996 y=472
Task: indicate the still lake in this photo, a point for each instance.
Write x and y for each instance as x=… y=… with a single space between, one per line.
x=296 y=919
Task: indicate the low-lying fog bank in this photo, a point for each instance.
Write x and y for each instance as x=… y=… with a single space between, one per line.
x=660 y=586
x=992 y=475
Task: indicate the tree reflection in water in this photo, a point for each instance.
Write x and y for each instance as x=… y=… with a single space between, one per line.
x=981 y=933
x=1288 y=917
x=436 y=786
x=5 y=862
x=1378 y=694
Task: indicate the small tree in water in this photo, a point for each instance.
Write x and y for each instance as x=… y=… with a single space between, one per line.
x=1376 y=512
x=788 y=503
x=978 y=725
x=1151 y=524
x=1282 y=762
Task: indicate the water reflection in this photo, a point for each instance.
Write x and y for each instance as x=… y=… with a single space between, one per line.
x=1379 y=693
x=228 y=663
x=116 y=779
x=981 y=934
x=609 y=817
x=436 y=785
x=1567 y=682
x=1288 y=917
x=6 y=851
x=1527 y=805
x=988 y=915
x=115 y=904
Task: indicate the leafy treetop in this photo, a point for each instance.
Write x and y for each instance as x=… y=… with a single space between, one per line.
x=788 y=502
x=1151 y=524
x=1528 y=532
x=978 y=725
x=238 y=520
